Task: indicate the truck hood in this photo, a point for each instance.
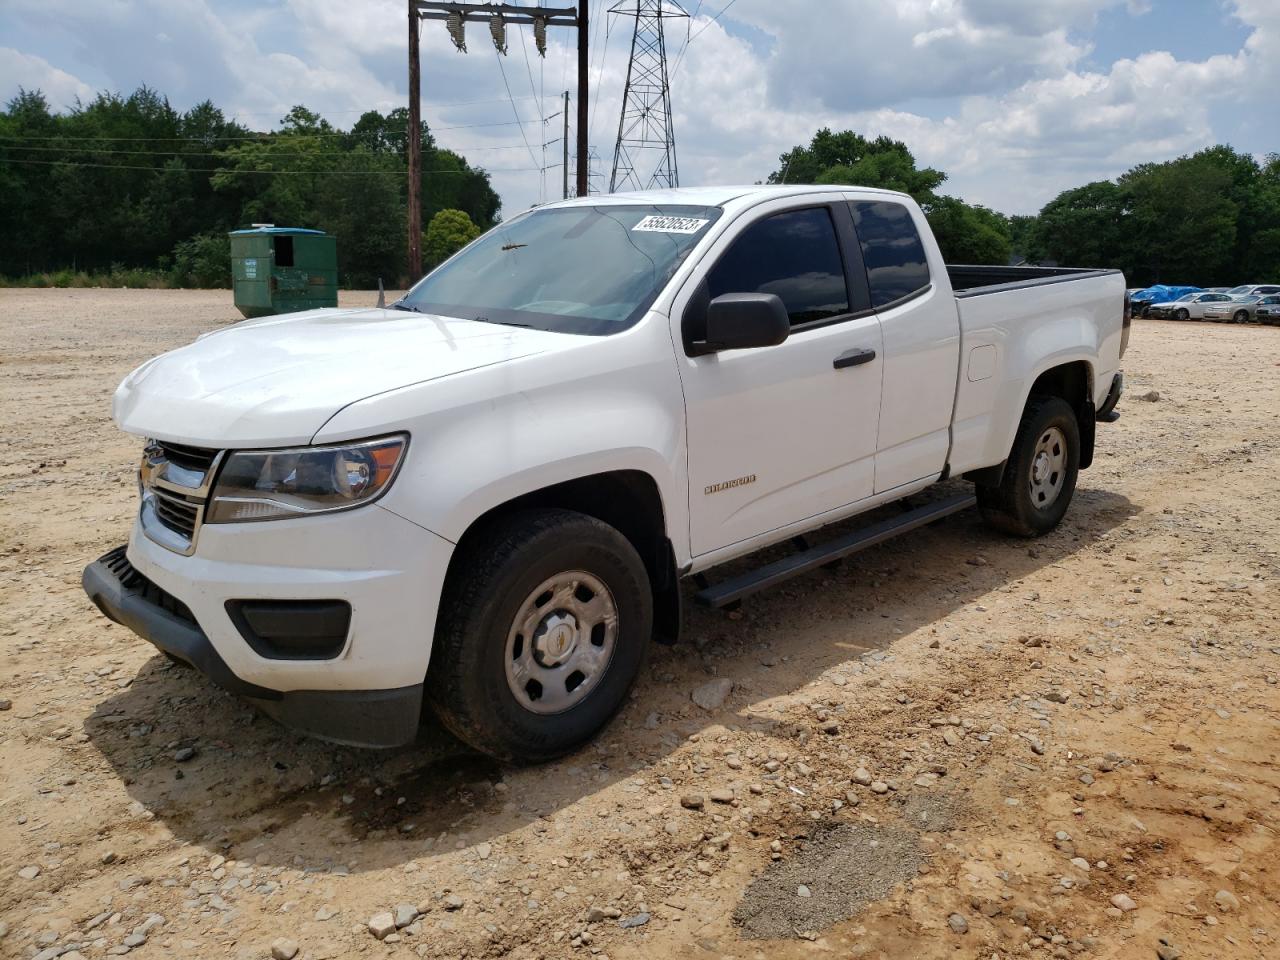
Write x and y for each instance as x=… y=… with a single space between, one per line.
x=276 y=380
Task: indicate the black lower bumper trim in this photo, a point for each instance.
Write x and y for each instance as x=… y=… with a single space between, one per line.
x=366 y=718
x=358 y=718
x=1106 y=413
x=121 y=593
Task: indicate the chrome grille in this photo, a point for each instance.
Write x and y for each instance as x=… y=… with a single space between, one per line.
x=175 y=481
x=189 y=458
x=179 y=515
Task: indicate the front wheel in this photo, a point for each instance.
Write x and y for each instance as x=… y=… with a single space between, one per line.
x=1182 y=315
x=1040 y=475
x=1242 y=316
x=544 y=625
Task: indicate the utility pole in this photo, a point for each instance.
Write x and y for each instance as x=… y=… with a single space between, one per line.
x=456 y=16
x=645 y=125
x=415 y=151
x=564 y=143
x=584 y=68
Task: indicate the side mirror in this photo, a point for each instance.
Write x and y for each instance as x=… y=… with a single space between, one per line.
x=737 y=321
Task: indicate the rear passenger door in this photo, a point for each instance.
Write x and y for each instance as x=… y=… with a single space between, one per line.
x=778 y=435
x=921 y=330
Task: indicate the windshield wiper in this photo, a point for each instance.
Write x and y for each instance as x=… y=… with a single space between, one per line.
x=401 y=305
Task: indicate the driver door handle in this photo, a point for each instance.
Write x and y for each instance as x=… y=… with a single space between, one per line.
x=854 y=357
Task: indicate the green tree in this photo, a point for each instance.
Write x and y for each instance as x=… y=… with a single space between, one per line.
x=1184 y=222
x=851 y=158
x=966 y=234
x=130 y=181
x=447 y=233
x=969 y=234
x=1085 y=226
x=203 y=261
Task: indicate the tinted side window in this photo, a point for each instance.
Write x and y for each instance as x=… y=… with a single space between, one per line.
x=891 y=249
x=793 y=254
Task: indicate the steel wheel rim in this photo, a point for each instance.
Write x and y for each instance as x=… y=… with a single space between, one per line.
x=1048 y=468
x=561 y=642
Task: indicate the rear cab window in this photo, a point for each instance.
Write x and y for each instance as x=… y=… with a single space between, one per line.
x=892 y=251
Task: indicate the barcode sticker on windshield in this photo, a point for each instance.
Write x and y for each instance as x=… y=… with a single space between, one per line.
x=689 y=225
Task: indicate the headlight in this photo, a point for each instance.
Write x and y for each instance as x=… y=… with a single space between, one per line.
x=276 y=484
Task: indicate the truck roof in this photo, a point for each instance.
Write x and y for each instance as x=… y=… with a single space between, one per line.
x=714 y=196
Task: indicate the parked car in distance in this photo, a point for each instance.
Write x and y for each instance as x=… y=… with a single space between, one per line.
x=1254 y=289
x=1190 y=306
x=1236 y=310
x=1140 y=302
x=483 y=496
x=1268 y=310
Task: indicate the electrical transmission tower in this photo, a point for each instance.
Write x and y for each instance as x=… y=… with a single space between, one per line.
x=645 y=155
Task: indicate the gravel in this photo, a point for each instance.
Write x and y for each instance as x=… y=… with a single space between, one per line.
x=843 y=866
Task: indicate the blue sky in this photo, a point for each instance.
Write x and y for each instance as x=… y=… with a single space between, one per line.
x=1015 y=100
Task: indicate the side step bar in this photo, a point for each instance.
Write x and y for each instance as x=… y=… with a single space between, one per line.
x=735 y=588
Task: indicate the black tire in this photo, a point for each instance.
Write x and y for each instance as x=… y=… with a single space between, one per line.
x=1241 y=316
x=1011 y=507
x=1182 y=314
x=489 y=584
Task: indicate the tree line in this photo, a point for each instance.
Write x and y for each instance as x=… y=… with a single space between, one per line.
x=1209 y=219
x=129 y=184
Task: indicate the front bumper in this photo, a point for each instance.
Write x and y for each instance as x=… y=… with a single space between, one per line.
x=368 y=692
x=366 y=718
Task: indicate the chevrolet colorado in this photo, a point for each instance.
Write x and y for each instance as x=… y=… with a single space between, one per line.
x=482 y=498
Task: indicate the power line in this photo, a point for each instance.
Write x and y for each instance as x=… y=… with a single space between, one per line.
x=524 y=49
x=225 y=155
x=680 y=58
x=503 y=69
x=433 y=103
x=339 y=173
x=604 y=52
x=266 y=136
x=103 y=151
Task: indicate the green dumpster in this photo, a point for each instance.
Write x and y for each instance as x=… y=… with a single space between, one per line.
x=283 y=270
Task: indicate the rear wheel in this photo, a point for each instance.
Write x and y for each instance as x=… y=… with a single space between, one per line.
x=1040 y=476
x=543 y=629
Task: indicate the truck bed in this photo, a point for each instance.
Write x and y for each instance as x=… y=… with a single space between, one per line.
x=976 y=281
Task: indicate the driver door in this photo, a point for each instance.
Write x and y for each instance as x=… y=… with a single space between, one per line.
x=782 y=434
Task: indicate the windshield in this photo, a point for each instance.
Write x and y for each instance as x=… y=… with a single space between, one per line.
x=1187 y=298
x=591 y=270
x=1234 y=291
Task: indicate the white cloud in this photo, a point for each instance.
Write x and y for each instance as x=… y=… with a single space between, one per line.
x=30 y=72
x=1012 y=147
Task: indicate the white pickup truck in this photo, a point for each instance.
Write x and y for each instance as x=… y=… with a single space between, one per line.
x=483 y=497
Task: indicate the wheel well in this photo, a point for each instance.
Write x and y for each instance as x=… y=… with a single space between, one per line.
x=629 y=501
x=1073 y=382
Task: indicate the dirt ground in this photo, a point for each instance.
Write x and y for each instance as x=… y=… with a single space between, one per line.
x=954 y=745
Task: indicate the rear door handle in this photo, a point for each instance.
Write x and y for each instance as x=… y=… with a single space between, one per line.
x=854 y=357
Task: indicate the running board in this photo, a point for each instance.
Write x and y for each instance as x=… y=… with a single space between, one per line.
x=735 y=588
